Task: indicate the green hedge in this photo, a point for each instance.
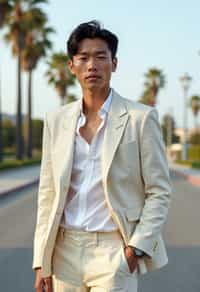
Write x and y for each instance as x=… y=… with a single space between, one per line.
x=10 y=151
x=9 y=164
x=194 y=153
x=196 y=164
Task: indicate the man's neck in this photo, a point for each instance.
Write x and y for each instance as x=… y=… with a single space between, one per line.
x=93 y=100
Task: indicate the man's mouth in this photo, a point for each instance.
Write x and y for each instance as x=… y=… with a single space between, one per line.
x=93 y=77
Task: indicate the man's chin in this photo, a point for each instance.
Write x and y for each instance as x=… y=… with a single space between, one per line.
x=94 y=87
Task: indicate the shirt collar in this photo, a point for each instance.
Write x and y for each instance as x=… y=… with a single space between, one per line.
x=105 y=106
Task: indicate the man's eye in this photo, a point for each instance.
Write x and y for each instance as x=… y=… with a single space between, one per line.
x=102 y=57
x=82 y=58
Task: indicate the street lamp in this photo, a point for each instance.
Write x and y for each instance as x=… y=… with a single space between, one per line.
x=185 y=82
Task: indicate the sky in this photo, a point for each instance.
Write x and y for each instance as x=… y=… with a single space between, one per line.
x=161 y=34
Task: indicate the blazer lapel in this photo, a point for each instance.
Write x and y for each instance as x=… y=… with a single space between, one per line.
x=116 y=122
x=69 y=128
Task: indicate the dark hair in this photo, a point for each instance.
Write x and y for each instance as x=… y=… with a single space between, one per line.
x=91 y=29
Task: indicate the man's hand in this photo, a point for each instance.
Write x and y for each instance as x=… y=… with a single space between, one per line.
x=42 y=284
x=132 y=259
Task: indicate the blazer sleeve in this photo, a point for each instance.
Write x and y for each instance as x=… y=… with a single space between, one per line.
x=157 y=184
x=46 y=193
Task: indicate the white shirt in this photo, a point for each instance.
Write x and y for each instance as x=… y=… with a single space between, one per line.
x=86 y=207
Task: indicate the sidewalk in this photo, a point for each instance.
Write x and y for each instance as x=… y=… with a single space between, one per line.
x=190 y=174
x=18 y=178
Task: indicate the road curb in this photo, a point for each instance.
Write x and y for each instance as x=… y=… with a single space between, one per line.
x=19 y=188
x=191 y=178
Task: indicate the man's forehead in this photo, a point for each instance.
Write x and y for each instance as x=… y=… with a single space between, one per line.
x=93 y=46
x=92 y=51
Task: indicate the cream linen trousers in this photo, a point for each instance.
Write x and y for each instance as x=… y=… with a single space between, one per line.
x=91 y=261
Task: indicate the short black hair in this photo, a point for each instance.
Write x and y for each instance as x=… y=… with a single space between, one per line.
x=91 y=30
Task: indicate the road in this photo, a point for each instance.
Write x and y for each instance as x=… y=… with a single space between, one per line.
x=181 y=233
x=17 y=219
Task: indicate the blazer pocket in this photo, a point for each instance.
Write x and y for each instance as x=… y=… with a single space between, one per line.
x=133 y=214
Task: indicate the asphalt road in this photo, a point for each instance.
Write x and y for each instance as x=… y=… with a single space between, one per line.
x=181 y=233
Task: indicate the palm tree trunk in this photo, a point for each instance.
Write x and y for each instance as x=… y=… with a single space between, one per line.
x=62 y=100
x=19 y=138
x=1 y=129
x=29 y=120
x=196 y=122
x=154 y=94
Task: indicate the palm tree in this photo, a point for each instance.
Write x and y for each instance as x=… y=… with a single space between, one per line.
x=195 y=107
x=147 y=98
x=18 y=26
x=37 y=44
x=5 y=9
x=59 y=75
x=155 y=80
x=16 y=36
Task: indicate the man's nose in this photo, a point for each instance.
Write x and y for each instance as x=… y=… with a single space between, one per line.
x=92 y=66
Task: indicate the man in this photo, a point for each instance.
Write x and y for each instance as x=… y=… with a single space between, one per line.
x=104 y=187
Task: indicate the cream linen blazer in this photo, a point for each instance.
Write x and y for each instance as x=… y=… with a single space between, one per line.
x=135 y=178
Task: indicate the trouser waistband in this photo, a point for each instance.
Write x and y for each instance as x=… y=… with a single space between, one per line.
x=90 y=235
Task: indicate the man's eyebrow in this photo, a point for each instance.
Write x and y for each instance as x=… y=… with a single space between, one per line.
x=82 y=53
x=101 y=52
x=96 y=52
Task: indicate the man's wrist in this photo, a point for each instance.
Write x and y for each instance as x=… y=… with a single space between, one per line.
x=137 y=252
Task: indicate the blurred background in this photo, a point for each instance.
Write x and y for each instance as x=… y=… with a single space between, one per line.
x=158 y=65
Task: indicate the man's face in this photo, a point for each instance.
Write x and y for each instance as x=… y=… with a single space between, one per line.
x=93 y=64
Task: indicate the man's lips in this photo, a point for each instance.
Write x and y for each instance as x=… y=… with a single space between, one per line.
x=93 y=77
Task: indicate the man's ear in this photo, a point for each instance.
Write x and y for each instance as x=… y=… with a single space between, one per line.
x=114 y=64
x=70 y=66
